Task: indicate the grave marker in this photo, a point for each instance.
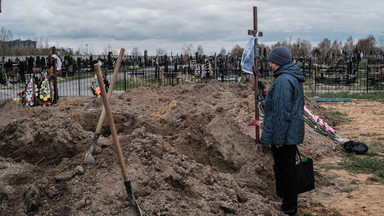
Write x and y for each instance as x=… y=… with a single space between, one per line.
x=255 y=68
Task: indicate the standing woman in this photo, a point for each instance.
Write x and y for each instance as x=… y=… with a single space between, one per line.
x=284 y=123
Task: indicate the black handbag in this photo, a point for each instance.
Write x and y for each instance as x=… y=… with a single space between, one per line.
x=304 y=174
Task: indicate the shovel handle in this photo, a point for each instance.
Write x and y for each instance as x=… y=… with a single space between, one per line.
x=111 y=123
x=114 y=77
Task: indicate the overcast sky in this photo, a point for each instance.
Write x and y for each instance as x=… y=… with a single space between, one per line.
x=172 y=24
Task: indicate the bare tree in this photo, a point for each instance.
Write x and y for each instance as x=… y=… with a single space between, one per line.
x=307 y=47
x=367 y=46
x=282 y=43
x=301 y=48
x=187 y=49
x=381 y=43
x=200 y=50
x=336 y=50
x=107 y=49
x=92 y=49
x=161 y=52
x=324 y=48
x=223 y=52
x=316 y=53
x=46 y=45
x=80 y=49
x=5 y=37
x=237 y=51
x=348 y=48
x=136 y=51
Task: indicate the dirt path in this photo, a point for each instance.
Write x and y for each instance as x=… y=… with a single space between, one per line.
x=354 y=194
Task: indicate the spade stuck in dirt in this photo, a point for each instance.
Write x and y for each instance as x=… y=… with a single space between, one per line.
x=112 y=127
x=88 y=156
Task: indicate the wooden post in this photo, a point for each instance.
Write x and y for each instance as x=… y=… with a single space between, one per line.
x=255 y=69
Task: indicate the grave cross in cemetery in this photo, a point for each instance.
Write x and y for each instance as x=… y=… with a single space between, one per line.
x=255 y=68
x=56 y=94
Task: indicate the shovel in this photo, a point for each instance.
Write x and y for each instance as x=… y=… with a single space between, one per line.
x=88 y=156
x=116 y=143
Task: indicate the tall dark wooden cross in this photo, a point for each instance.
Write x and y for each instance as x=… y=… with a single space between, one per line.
x=255 y=69
x=56 y=95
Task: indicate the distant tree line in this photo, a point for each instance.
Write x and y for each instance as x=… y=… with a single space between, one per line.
x=326 y=52
x=331 y=52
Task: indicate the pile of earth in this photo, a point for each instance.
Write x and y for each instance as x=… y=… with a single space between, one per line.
x=188 y=151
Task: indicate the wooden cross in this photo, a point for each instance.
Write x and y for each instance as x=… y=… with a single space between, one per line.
x=255 y=69
x=56 y=95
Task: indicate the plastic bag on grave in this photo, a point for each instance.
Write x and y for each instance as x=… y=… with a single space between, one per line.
x=356 y=147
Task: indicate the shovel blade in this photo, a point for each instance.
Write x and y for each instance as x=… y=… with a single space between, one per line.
x=89 y=158
x=131 y=197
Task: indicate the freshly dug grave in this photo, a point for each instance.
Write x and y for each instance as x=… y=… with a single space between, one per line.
x=188 y=151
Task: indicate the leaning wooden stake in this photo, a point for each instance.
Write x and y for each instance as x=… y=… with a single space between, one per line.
x=116 y=143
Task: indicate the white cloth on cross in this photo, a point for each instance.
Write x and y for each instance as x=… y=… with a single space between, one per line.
x=247 y=60
x=58 y=62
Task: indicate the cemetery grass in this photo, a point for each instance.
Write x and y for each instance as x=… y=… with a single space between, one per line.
x=361 y=177
x=373 y=161
x=373 y=96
